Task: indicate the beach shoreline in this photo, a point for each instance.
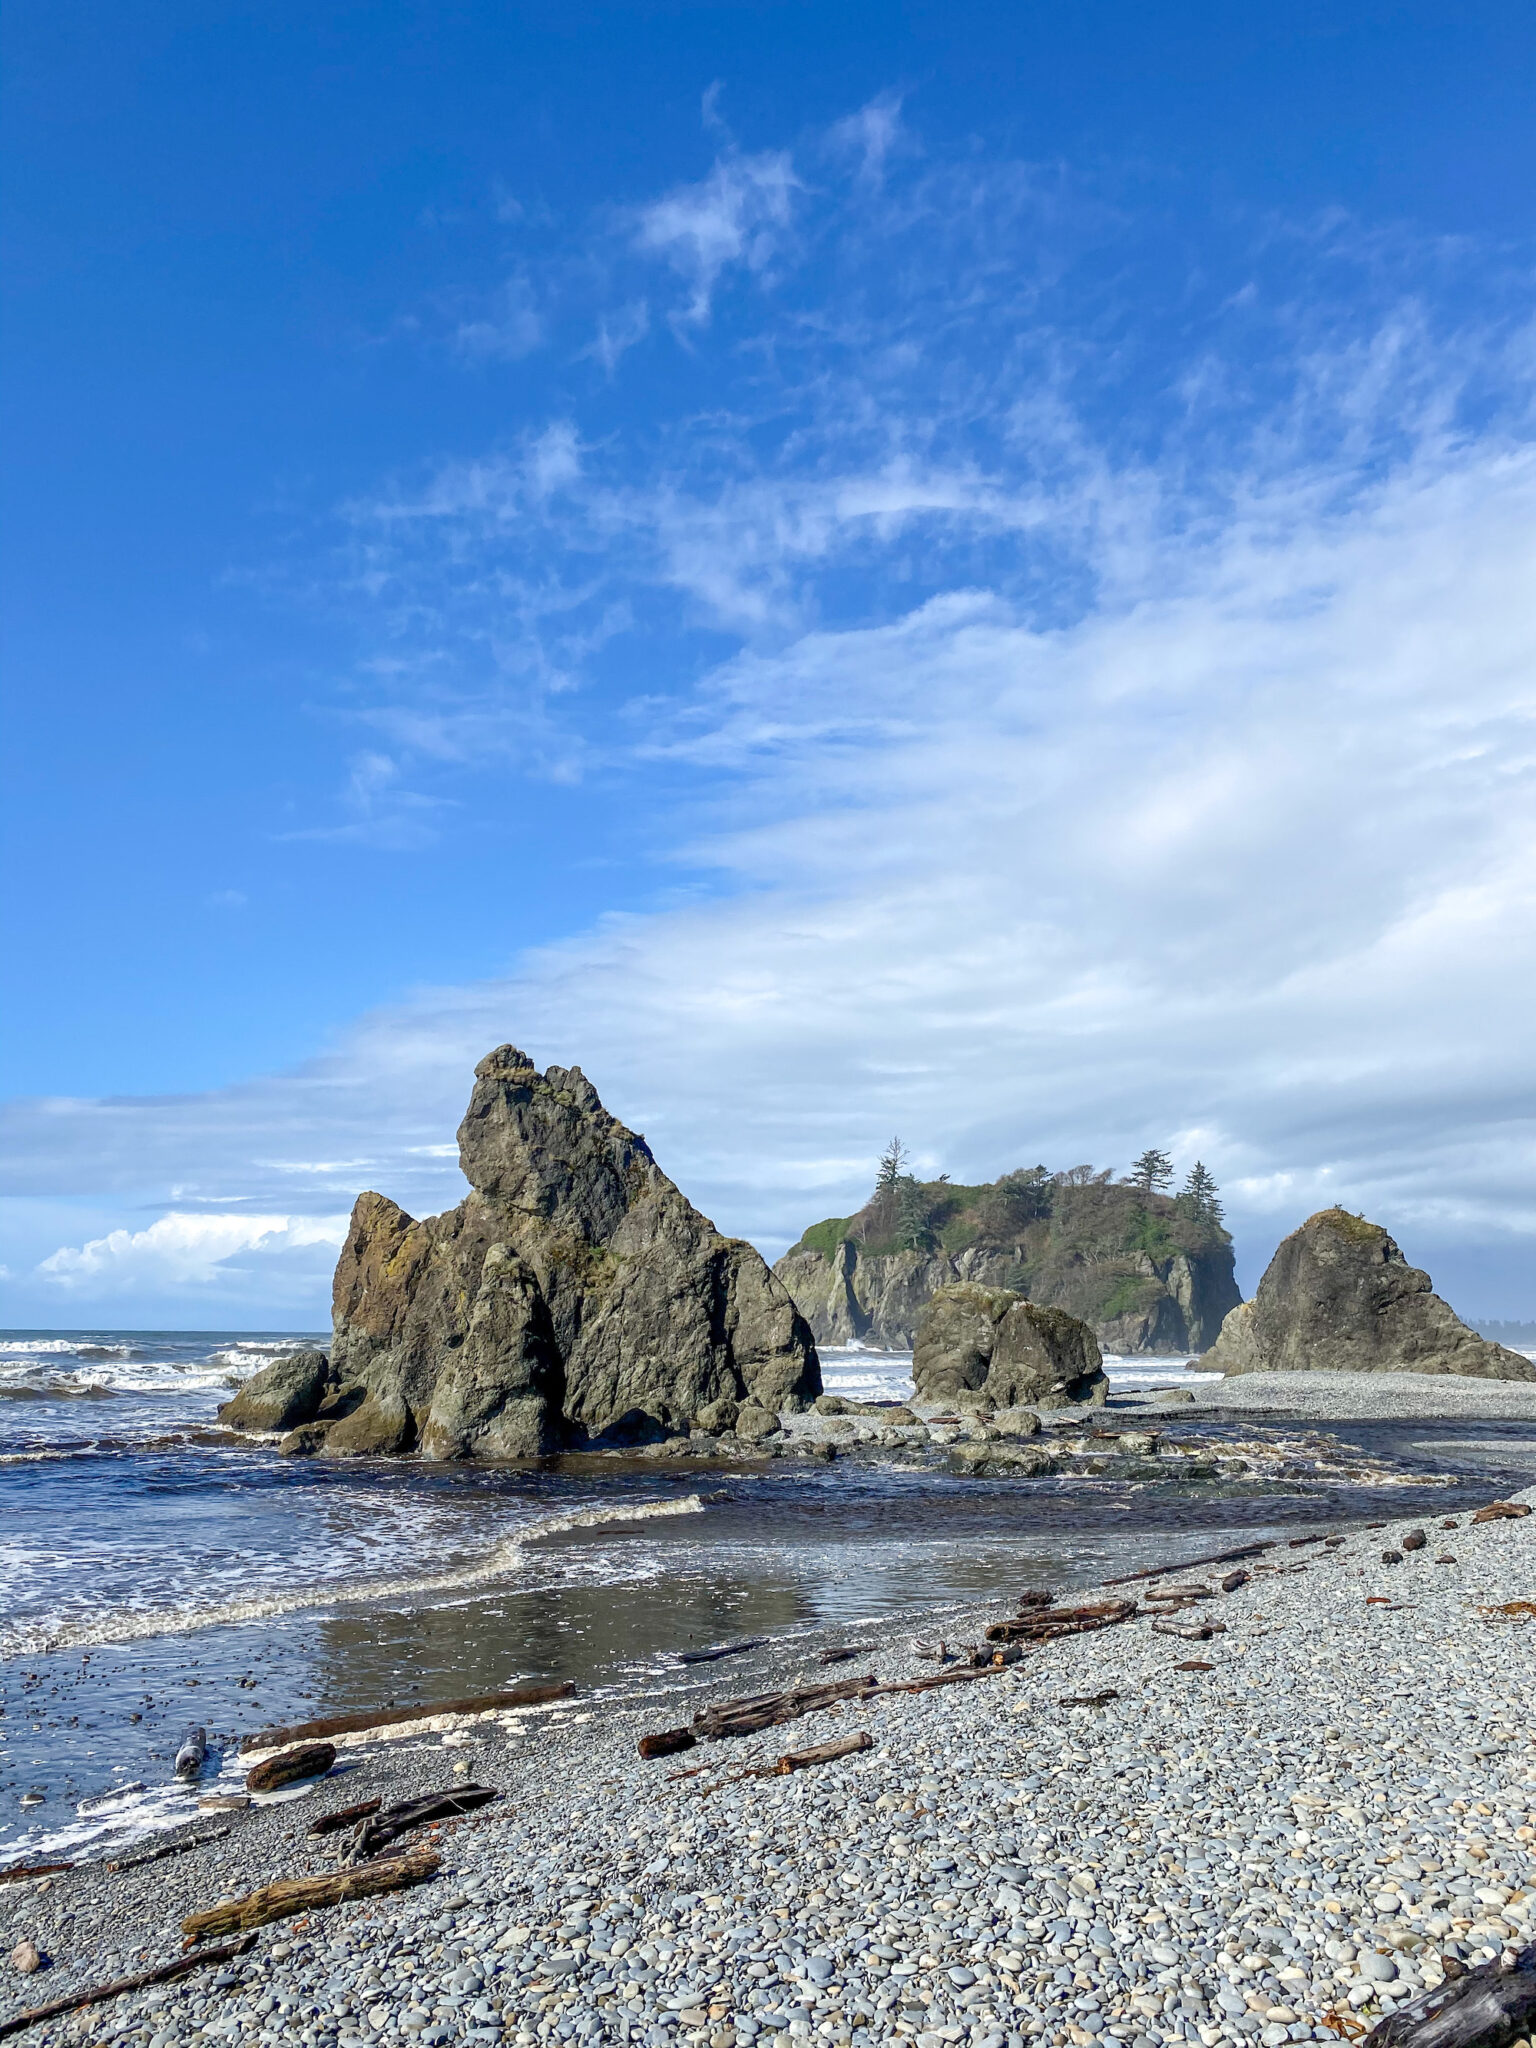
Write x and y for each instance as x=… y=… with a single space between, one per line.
x=991 y=1834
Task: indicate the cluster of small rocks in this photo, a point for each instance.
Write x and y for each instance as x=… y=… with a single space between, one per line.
x=1302 y=1820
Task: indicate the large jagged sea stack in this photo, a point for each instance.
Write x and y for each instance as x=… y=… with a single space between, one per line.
x=1338 y=1296
x=574 y=1298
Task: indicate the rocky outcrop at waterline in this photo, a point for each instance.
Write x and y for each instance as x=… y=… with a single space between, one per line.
x=1338 y=1296
x=1144 y=1273
x=574 y=1298
x=988 y=1345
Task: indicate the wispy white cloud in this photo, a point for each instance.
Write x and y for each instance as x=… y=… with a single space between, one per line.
x=739 y=214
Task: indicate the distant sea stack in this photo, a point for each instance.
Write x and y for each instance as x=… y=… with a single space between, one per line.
x=1338 y=1296
x=1140 y=1269
x=573 y=1298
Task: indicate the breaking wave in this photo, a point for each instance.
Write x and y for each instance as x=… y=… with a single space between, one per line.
x=500 y=1562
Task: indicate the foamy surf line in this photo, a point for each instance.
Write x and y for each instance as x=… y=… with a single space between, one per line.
x=498 y=1564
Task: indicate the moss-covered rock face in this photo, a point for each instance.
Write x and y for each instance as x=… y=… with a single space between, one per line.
x=574 y=1297
x=1338 y=1296
x=1141 y=1272
x=985 y=1341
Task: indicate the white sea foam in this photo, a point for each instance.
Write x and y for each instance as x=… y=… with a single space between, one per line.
x=502 y=1561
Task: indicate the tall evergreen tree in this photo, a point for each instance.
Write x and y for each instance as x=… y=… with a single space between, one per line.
x=1152 y=1172
x=912 y=1215
x=893 y=1162
x=1199 y=1195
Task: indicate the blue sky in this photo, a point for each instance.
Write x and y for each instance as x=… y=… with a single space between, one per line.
x=959 y=569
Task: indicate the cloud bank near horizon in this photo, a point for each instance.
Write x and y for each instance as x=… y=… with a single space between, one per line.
x=1062 y=762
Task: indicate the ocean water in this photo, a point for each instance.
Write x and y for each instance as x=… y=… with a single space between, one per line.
x=156 y=1575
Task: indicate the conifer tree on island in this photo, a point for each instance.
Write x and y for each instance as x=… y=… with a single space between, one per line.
x=1152 y=1172
x=1198 y=1196
x=893 y=1162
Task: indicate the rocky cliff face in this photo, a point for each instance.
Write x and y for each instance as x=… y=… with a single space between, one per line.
x=574 y=1297
x=989 y=1345
x=1338 y=1296
x=1141 y=1275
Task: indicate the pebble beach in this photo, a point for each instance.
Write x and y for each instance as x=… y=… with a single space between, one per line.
x=1277 y=1834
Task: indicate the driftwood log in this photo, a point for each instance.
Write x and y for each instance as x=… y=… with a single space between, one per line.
x=344 y=1817
x=1502 y=1511
x=308 y=1760
x=169 y=1849
x=167 y=1973
x=961 y=1677
x=20 y=1872
x=1189 y=1631
x=720 y=1650
x=823 y=1753
x=1044 y=1624
x=375 y=1832
x=666 y=1742
x=392 y=1717
x=1482 y=2008
x=1193 y=1564
x=193 y=1754
x=771 y=1709
x=290 y=1895
x=837 y=1656
x=751 y=1716
x=1088 y=1699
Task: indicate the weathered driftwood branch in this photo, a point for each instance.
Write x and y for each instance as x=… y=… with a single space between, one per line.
x=823 y=1753
x=166 y=1973
x=391 y=1717
x=751 y=1716
x=290 y=1895
x=1193 y=1564
x=375 y=1833
x=1502 y=1511
x=961 y=1677
x=795 y=1760
x=344 y=1817
x=19 y=1872
x=193 y=1754
x=720 y=1650
x=1044 y=1624
x=1190 y=1631
x=1088 y=1699
x=308 y=1760
x=169 y=1849
x=837 y=1656
x=1482 y=2008
x=770 y=1709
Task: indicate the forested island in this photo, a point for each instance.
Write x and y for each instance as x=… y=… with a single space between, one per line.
x=1147 y=1267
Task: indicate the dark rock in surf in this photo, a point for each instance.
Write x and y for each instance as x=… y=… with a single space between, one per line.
x=573 y=1298
x=281 y=1396
x=990 y=1342
x=1338 y=1296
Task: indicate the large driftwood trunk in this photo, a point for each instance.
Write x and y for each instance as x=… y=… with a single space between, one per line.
x=309 y=1760
x=1483 y=2008
x=290 y=1895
